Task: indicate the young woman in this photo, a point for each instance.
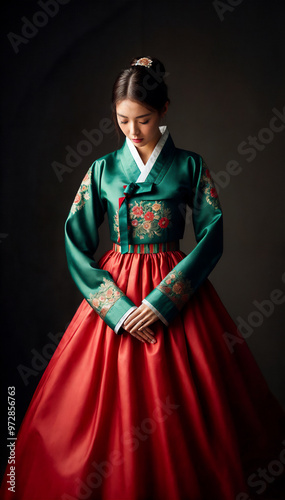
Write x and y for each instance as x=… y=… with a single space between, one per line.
x=186 y=416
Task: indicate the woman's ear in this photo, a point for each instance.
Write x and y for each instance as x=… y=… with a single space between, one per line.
x=164 y=109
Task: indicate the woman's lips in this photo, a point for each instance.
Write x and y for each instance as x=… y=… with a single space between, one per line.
x=137 y=140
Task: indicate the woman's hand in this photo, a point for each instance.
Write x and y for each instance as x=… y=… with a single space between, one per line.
x=138 y=321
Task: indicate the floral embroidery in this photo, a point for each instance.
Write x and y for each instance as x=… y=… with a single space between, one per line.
x=106 y=296
x=147 y=218
x=82 y=194
x=208 y=187
x=176 y=287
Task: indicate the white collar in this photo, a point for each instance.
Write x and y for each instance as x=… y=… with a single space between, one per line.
x=145 y=168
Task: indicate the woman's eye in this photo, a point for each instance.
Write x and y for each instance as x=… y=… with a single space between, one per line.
x=143 y=123
x=123 y=122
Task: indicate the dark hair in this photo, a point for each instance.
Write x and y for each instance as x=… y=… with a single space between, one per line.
x=141 y=83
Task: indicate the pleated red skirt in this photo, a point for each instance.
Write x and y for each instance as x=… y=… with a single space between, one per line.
x=113 y=418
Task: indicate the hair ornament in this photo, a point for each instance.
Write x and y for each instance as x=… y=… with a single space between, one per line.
x=144 y=61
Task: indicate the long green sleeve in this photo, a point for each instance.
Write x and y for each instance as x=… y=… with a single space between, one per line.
x=175 y=290
x=81 y=240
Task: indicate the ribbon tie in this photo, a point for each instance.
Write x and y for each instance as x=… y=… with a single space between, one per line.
x=130 y=190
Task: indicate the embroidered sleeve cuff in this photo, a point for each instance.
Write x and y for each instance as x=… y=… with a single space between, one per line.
x=121 y=321
x=155 y=311
x=118 y=309
x=170 y=295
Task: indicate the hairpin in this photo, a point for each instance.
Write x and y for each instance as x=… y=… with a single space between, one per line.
x=144 y=61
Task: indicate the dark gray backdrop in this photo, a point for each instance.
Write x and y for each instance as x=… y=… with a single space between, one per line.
x=225 y=64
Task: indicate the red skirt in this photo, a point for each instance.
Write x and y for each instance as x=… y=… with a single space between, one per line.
x=186 y=418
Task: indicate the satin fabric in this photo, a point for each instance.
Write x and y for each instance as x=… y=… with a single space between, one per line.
x=117 y=419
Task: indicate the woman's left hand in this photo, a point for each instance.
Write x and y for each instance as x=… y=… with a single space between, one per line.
x=141 y=317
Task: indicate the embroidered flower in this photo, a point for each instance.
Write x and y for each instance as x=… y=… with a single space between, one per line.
x=83 y=193
x=95 y=303
x=208 y=187
x=156 y=206
x=106 y=296
x=77 y=198
x=176 y=287
x=163 y=222
x=147 y=218
x=104 y=311
x=138 y=211
x=147 y=226
x=86 y=178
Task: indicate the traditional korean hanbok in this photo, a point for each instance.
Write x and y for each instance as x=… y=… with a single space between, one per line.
x=187 y=418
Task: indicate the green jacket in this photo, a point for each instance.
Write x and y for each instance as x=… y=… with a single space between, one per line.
x=152 y=211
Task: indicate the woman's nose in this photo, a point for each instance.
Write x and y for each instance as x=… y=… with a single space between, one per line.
x=134 y=129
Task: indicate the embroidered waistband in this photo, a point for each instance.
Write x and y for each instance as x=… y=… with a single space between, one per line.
x=149 y=247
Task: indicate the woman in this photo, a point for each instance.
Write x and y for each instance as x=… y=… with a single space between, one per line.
x=187 y=416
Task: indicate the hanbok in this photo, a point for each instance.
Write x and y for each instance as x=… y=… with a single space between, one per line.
x=190 y=417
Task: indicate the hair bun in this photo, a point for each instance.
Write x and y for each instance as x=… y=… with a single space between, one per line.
x=148 y=62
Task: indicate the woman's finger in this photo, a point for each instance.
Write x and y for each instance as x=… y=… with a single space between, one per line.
x=148 y=336
x=145 y=335
x=141 y=320
x=137 y=336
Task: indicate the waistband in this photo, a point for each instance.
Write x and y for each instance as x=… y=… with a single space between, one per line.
x=150 y=247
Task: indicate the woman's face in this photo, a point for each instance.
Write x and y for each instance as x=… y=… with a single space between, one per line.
x=138 y=123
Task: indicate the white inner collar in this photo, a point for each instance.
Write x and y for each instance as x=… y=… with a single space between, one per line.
x=145 y=168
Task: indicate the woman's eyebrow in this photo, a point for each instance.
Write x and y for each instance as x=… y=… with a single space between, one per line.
x=141 y=116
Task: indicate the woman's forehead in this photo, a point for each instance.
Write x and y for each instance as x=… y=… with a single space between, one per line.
x=128 y=107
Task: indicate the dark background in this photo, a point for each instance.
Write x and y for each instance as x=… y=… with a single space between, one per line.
x=224 y=78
